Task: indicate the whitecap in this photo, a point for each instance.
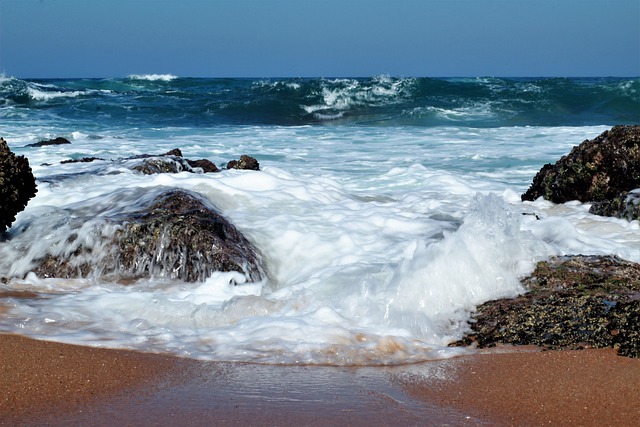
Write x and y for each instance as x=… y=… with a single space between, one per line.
x=153 y=77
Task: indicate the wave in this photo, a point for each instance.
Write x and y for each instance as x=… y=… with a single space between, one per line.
x=16 y=91
x=168 y=100
x=153 y=77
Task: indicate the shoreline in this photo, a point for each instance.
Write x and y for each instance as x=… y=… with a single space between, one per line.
x=48 y=383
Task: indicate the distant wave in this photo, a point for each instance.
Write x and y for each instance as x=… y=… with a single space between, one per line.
x=21 y=92
x=153 y=77
x=382 y=100
x=38 y=94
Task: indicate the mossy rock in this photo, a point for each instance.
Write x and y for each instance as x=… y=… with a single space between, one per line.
x=596 y=170
x=178 y=236
x=572 y=302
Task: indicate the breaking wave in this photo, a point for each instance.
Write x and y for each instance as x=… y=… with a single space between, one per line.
x=166 y=99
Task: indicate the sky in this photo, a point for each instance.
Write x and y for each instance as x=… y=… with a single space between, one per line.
x=319 y=38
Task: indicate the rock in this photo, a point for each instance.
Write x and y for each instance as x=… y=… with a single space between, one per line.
x=207 y=166
x=175 y=152
x=177 y=236
x=572 y=302
x=626 y=206
x=82 y=160
x=164 y=164
x=191 y=239
x=172 y=162
x=625 y=328
x=56 y=141
x=596 y=170
x=17 y=185
x=245 y=162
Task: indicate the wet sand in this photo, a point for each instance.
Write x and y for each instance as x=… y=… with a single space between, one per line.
x=582 y=387
x=44 y=383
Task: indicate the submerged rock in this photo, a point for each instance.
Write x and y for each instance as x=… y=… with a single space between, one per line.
x=56 y=141
x=180 y=237
x=596 y=170
x=177 y=236
x=174 y=162
x=572 y=302
x=170 y=162
x=164 y=164
x=82 y=160
x=17 y=185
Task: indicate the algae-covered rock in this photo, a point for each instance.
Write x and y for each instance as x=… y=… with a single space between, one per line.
x=177 y=235
x=17 y=185
x=180 y=237
x=596 y=170
x=626 y=206
x=572 y=302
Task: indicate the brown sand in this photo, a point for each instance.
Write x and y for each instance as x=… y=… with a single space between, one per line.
x=44 y=383
x=37 y=377
x=581 y=387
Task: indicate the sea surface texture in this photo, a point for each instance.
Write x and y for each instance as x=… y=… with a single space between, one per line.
x=386 y=209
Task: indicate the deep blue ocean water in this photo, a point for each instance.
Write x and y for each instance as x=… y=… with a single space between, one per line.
x=164 y=100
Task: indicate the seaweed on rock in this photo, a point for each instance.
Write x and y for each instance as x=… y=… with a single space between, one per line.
x=572 y=302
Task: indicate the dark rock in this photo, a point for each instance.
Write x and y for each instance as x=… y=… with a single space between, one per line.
x=177 y=236
x=56 y=141
x=17 y=185
x=626 y=206
x=163 y=164
x=207 y=166
x=175 y=152
x=171 y=162
x=572 y=302
x=190 y=238
x=596 y=170
x=82 y=160
x=245 y=162
x=625 y=328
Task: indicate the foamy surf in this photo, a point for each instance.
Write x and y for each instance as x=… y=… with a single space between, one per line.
x=379 y=239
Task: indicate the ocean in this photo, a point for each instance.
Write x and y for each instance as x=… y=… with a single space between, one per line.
x=386 y=209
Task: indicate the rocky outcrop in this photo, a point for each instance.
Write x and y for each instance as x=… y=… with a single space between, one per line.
x=572 y=302
x=55 y=141
x=177 y=236
x=596 y=170
x=17 y=185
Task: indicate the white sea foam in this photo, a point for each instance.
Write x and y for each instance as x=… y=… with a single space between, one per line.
x=378 y=243
x=42 y=95
x=4 y=78
x=153 y=77
x=341 y=95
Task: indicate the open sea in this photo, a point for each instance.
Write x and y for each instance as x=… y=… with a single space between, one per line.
x=386 y=209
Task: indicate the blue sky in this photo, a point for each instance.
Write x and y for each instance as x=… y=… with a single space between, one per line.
x=319 y=38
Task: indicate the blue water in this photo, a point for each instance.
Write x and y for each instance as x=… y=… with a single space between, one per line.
x=380 y=101
x=386 y=208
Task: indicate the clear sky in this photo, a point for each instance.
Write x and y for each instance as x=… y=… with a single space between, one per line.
x=319 y=38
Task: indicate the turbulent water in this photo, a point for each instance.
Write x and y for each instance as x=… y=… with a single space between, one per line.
x=386 y=208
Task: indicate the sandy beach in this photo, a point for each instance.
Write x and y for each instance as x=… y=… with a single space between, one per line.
x=45 y=383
